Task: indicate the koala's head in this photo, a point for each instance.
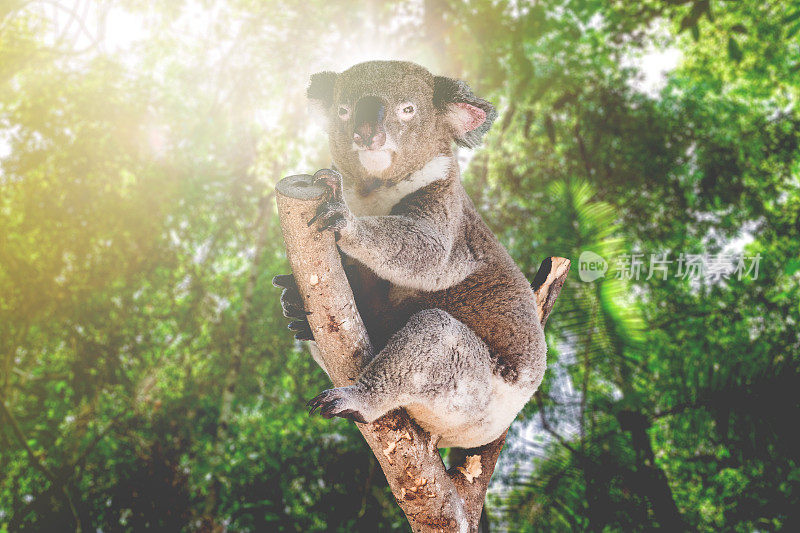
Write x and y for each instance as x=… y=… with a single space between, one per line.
x=386 y=119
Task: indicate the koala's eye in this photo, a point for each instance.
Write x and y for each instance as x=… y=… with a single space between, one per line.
x=344 y=112
x=406 y=110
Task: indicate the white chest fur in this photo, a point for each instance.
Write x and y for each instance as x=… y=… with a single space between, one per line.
x=381 y=201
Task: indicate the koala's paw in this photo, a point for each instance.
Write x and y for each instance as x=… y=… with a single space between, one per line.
x=292 y=306
x=331 y=179
x=337 y=402
x=331 y=215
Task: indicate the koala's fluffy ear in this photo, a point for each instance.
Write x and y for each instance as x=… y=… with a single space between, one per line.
x=469 y=115
x=320 y=94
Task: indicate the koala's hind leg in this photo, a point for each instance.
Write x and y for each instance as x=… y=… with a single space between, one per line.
x=435 y=364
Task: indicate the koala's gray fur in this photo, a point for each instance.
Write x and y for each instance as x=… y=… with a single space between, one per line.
x=461 y=346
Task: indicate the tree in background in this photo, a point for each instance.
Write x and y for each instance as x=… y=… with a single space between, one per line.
x=146 y=379
x=693 y=436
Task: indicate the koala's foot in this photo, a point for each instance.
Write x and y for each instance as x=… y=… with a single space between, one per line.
x=435 y=366
x=342 y=402
x=292 y=306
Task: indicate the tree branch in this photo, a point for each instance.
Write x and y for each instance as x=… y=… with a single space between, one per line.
x=36 y=460
x=432 y=498
x=39 y=464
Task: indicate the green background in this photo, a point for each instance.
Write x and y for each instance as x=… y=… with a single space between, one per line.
x=140 y=143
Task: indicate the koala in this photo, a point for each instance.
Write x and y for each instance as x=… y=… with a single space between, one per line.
x=452 y=318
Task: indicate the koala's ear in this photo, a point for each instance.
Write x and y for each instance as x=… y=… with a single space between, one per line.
x=469 y=115
x=320 y=94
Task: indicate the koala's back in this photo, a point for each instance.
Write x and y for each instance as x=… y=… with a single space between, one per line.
x=494 y=300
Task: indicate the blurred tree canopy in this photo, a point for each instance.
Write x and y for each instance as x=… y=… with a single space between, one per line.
x=146 y=376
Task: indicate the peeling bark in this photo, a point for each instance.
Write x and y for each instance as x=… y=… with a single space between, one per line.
x=433 y=499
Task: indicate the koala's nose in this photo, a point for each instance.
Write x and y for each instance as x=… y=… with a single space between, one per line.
x=366 y=138
x=368 y=117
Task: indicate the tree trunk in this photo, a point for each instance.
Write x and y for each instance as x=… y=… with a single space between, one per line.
x=432 y=498
x=651 y=480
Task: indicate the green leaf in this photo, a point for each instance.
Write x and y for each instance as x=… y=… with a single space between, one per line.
x=792 y=17
x=792 y=267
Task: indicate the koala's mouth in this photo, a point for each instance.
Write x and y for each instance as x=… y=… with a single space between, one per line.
x=375 y=161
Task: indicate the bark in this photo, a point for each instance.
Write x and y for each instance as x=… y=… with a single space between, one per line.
x=648 y=478
x=433 y=499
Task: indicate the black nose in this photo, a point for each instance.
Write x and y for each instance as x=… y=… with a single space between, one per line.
x=368 y=118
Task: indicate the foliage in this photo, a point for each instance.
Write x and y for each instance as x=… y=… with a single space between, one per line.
x=146 y=376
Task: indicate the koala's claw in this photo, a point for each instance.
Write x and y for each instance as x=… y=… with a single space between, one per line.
x=330 y=178
x=334 y=402
x=293 y=308
x=302 y=329
x=291 y=302
x=298 y=325
x=285 y=281
x=352 y=414
x=332 y=214
x=292 y=305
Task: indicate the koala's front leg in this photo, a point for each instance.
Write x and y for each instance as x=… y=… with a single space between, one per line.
x=434 y=362
x=410 y=249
